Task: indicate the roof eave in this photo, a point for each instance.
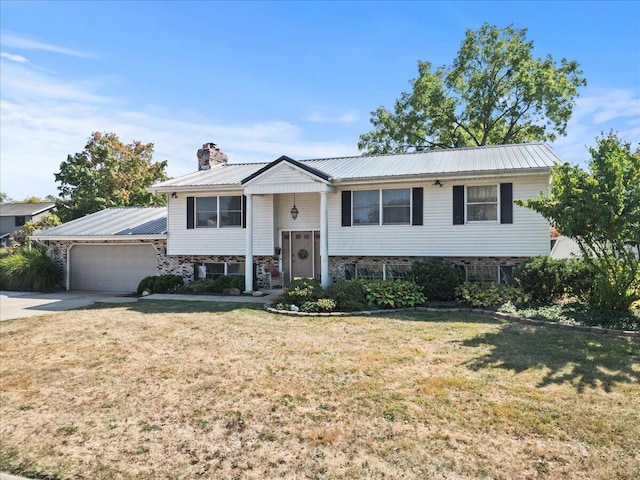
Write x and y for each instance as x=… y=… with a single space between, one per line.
x=99 y=238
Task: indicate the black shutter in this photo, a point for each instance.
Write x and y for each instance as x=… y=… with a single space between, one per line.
x=458 y=204
x=346 y=208
x=190 y=212
x=418 y=200
x=244 y=211
x=506 y=203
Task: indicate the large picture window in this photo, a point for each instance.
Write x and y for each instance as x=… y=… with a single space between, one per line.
x=396 y=207
x=482 y=203
x=214 y=212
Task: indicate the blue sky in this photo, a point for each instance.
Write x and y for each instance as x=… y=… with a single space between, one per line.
x=264 y=79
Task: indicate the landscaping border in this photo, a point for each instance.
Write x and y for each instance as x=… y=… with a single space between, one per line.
x=477 y=311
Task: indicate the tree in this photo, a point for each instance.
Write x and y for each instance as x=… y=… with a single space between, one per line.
x=600 y=211
x=108 y=173
x=21 y=237
x=495 y=92
x=4 y=198
x=36 y=199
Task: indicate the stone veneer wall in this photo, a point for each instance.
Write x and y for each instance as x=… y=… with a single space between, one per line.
x=183 y=264
x=337 y=264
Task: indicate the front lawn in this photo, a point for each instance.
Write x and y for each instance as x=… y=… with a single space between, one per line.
x=175 y=390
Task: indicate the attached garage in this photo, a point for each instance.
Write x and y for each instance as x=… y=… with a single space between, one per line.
x=110 y=250
x=110 y=267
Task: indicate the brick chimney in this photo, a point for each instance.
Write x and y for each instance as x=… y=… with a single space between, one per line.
x=210 y=155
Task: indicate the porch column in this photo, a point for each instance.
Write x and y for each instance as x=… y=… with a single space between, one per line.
x=324 y=241
x=248 y=260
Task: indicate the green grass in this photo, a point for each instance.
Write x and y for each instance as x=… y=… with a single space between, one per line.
x=198 y=390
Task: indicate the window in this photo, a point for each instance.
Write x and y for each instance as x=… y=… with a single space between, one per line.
x=211 y=270
x=482 y=203
x=231 y=211
x=20 y=220
x=223 y=211
x=235 y=269
x=207 y=211
x=396 y=206
x=380 y=271
x=366 y=207
x=482 y=273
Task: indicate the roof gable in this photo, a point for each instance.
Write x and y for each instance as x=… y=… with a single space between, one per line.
x=20 y=209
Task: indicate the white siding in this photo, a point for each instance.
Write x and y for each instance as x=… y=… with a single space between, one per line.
x=219 y=241
x=308 y=205
x=527 y=236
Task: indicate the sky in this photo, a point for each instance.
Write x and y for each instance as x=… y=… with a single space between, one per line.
x=265 y=79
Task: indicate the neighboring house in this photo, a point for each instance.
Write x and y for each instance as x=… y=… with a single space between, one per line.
x=564 y=247
x=15 y=215
x=352 y=217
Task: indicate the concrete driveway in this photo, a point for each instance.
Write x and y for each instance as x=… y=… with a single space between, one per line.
x=29 y=304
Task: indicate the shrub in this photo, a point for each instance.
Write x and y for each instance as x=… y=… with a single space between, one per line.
x=437 y=278
x=160 y=283
x=320 y=305
x=349 y=295
x=30 y=270
x=237 y=281
x=543 y=278
x=393 y=294
x=299 y=292
x=220 y=283
x=486 y=295
x=198 y=286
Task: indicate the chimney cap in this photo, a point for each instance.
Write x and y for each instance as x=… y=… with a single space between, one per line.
x=210 y=145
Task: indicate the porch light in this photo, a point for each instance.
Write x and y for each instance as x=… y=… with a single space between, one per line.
x=294 y=210
x=437 y=183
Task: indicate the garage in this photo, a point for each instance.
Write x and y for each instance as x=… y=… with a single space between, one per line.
x=110 y=267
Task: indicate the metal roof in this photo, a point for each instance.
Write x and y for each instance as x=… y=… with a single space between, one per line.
x=20 y=209
x=454 y=161
x=123 y=221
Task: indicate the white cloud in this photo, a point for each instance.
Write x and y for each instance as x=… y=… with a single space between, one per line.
x=44 y=118
x=602 y=111
x=346 y=118
x=14 y=58
x=10 y=39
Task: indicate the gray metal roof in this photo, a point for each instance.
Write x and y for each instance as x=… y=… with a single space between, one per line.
x=20 y=209
x=498 y=158
x=113 y=221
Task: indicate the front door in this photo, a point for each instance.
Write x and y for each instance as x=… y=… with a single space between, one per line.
x=298 y=254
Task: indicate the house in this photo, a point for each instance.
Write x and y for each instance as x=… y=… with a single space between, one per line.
x=335 y=218
x=15 y=215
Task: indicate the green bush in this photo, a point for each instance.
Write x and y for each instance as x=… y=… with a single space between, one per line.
x=237 y=281
x=320 y=305
x=349 y=295
x=299 y=292
x=547 y=279
x=29 y=269
x=198 y=286
x=160 y=283
x=219 y=284
x=437 y=278
x=393 y=294
x=487 y=295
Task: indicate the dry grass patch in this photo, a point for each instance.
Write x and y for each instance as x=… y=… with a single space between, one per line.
x=173 y=390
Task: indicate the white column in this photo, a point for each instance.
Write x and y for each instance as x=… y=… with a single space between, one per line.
x=324 y=241
x=248 y=260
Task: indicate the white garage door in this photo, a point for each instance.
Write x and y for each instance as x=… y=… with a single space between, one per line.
x=114 y=268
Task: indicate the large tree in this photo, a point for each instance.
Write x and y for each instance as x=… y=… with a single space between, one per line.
x=495 y=92
x=600 y=210
x=108 y=173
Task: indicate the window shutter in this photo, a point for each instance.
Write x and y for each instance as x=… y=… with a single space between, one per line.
x=190 y=212
x=418 y=201
x=506 y=203
x=244 y=211
x=458 y=204
x=346 y=208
